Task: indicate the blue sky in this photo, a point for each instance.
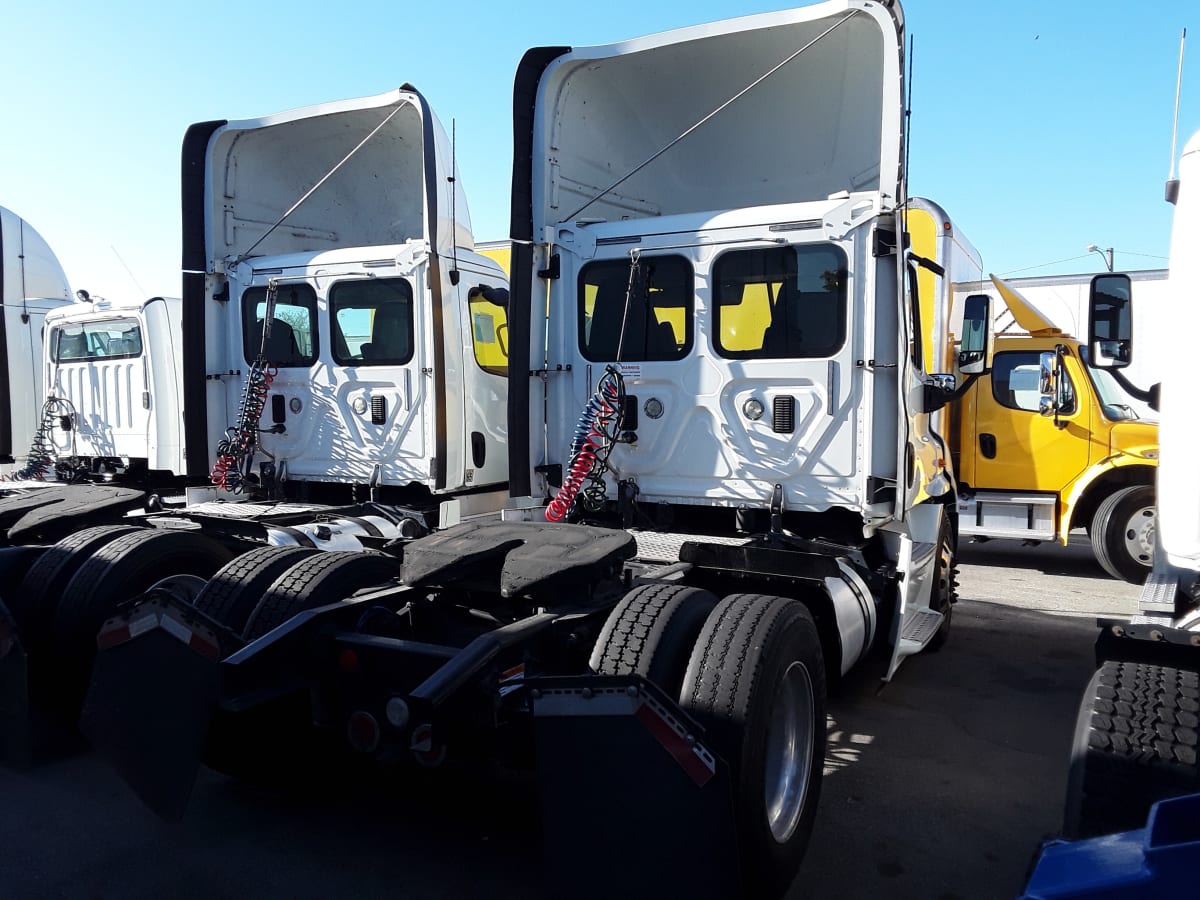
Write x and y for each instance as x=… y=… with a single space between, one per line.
x=1042 y=127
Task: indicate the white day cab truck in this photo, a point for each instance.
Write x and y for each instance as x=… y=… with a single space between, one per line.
x=1132 y=792
x=728 y=474
x=330 y=379
x=32 y=283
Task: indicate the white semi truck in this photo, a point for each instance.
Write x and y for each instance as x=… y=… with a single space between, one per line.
x=1136 y=739
x=333 y=378
x=32 y=283
x=728 y=474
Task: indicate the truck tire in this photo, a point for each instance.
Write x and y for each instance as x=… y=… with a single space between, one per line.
x=756 y=682
x=651 y=633
x=324 y=578
x=1135 y=743
x=35 y=602
x=237 y=587
x=944 y=591
x=124 y=568
x=1122 y=533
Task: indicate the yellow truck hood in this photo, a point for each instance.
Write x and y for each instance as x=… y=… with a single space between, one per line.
x=1027 y=315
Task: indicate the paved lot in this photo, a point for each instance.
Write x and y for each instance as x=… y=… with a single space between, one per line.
x=938 y=785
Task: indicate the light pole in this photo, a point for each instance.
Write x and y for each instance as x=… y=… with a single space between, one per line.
x=1106 y=252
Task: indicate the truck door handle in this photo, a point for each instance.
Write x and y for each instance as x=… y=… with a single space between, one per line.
x=987 y=445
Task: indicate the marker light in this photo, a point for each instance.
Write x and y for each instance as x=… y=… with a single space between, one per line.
x=752 y=409
x=653 y=408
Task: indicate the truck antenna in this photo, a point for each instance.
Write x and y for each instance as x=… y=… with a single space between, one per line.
x=141 y=290
x=903 y=198
x=1172 y=192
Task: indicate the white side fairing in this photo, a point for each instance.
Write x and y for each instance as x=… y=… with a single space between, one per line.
x=1179 y=427
x=723 y=175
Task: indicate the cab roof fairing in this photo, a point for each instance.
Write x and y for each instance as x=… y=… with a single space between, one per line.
x=829 y=120
x=393 y=188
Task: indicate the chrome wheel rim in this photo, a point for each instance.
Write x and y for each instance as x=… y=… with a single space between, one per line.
x=1139 y=536
x=789 y=752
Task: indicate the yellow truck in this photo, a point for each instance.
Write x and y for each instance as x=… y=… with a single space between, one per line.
x=1045 y=443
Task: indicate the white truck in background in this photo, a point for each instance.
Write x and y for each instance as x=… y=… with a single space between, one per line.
x=115 y=387
x=32 y=283
x=1137 y=737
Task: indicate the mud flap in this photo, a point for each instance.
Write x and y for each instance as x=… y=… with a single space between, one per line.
x=634 y=803
x=16 y=737
x=153 y=693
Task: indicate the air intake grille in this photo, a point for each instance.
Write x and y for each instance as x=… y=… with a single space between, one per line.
x=783 y=415
x=378 y=410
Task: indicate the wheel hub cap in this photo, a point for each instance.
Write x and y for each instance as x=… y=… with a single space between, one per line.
x=789 y=752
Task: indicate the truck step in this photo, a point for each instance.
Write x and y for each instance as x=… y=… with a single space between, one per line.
x=921 y=626
x=662 y=546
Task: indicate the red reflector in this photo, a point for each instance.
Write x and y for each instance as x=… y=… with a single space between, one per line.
x=112 y=636
x=363 y=731
x=348 y=660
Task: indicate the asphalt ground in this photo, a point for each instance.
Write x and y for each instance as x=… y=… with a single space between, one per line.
x=939 y=785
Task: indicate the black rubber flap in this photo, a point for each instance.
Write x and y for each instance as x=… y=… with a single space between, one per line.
x=518 y=557
x=68 y=508
x=15 y=732
x=624 y=815
x=147 y=713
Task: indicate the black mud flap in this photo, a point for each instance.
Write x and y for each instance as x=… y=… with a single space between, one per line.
x=153 y=693
x=16 y=737
x=634 y=803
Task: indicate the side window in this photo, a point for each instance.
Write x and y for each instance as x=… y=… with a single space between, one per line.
x=636 y=312
x=114 y=339
x=489 y=335
x=780 y=302
x=1016 y=378
x=292 y=337
x=372 y=322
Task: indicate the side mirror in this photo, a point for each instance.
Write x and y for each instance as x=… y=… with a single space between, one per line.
x=1048 y=384
x=978 y=339
x=1110 y=322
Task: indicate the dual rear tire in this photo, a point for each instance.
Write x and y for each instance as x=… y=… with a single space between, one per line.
x=749 y=669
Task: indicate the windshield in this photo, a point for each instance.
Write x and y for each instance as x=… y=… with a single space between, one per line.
x=1113 y=399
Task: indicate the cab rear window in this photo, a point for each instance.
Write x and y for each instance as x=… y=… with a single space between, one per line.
x=291 y=338
x=780 y=302
x=639 y=311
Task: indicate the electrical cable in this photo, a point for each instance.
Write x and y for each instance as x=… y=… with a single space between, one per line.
x=598 y=431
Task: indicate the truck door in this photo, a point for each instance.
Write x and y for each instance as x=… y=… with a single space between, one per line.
x=1017 y=448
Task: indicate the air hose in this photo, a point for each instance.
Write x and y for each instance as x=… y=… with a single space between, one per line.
x=242 y=437
x=237 y=447
x=596 y=434
x=42 y=455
